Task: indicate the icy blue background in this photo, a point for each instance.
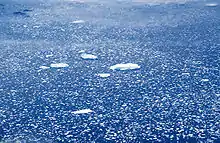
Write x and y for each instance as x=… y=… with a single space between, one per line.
x=174 y=96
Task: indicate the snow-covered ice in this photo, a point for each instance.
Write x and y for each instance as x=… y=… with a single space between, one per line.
x=127 y=66
x=59 y=65
x=84 y=111
x=88 y=56
x=103 y=75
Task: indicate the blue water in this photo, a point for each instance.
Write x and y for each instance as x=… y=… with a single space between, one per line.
x=173 y=97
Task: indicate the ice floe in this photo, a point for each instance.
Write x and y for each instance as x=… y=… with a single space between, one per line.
x=59 y=65
x=127 y=66
x=78 y=21
x=103 y=75
x=84 y=111
x=44 y=67
x=88 y=56
x=211 y=4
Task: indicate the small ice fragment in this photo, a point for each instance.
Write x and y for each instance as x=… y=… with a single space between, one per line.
x=81 y=51
x=186 y=73
x=88 y=56
x=47 y=56
x=67 y=133
x=36 y=26
x=205 y=80
x=44 y=67
x=78 y=21
x=68 y=136
x=128 y=66
x=59 y=65
x=103 y=75
x=84 y=111
x=211 y=4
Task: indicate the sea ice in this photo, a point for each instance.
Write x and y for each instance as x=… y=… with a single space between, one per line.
x=84 y=111
x=88 y=56
x=128 y=66
x=59 y=65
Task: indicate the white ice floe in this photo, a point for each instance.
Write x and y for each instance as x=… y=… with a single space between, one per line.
x=211 y=4
x=44 y=67
x=128 y=66
x=84 y=111
x=59 y=65
x=78 y=21
x=88 y=56
x=103 y=75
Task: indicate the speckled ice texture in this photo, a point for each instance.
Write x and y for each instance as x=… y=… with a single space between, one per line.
x=49 y=93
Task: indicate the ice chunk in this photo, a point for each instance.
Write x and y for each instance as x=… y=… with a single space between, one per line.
x=128 y=66
x=84 y=111
x=59 y=65
x=211 y=4
x=78 y=21
x=88 y=56
x=44 y=67
x=104 y=75
x=81 y=51
x=51 y=55
x=36 y=26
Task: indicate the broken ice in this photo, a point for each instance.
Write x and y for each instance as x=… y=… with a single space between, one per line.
x=88 y=56
x=128 y=66
x=59 y=65
x=84 y=111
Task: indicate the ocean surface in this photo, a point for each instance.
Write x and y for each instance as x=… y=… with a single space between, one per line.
x=107 y=71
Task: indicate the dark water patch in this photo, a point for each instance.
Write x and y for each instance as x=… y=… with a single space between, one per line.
x=18 y=13
x=1 y=133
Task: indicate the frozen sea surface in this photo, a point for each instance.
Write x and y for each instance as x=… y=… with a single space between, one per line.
x=49 y=93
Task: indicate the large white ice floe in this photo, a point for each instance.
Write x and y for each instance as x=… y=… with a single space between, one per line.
x=83 y=111
x=127 y=66
x=103 y=75
x=59 y=65
x=88 y=56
